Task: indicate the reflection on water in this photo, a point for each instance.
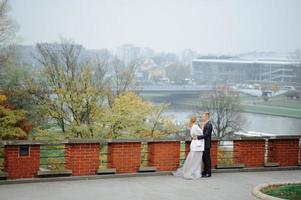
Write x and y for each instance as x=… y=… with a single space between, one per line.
x=255 y=122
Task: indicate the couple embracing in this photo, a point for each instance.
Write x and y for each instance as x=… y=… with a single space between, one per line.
x=198 y=161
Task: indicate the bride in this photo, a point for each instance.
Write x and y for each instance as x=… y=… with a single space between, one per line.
x=193 y=163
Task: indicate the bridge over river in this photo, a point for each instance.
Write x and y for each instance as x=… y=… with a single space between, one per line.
x=182 y=89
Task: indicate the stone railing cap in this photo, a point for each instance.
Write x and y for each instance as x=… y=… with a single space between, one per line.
x=247 y=138
x=285 y=137
x=81 y=141
x=22 y=142
x=148 y=140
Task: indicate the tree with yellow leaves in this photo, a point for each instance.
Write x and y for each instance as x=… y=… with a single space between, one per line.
x=133 y=117
x=128 y=115
x=67 y=92
x=75 y=96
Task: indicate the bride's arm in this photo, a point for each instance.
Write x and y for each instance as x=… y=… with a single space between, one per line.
x=192 y=132
x=195 y=132
x=198 y=130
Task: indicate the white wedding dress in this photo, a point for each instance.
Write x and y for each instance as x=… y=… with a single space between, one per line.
x=193 y=163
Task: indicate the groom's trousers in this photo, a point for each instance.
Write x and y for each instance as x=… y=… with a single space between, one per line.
x=207 y=161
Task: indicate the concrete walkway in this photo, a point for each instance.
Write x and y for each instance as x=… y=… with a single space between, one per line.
x=223 y=186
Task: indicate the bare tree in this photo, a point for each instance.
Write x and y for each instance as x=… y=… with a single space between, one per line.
x=121 y=80
x=225 y=111
x=8 y=29
x=7 y=26
x=59 y=62
x=68 y=90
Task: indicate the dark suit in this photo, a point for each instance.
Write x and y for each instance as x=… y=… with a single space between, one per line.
x=206 y=154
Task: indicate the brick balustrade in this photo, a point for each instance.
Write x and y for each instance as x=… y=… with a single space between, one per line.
x=249 y=152
x=165 y=156
x=284 y=151
x=82 y=156
x=213 y=153
x=21 y=166
x=124 y=156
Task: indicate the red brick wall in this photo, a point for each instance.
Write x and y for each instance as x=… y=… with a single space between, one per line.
x=299 y=162
x=164 y=155
x=283 y=151
x=213 y=153
x=249 y=152
x=125 y=157
x=82 y=159
x=21 y=166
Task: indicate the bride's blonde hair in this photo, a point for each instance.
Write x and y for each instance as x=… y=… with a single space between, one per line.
x=192 y=121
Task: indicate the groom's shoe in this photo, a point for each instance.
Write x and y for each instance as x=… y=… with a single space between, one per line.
x=206 y=175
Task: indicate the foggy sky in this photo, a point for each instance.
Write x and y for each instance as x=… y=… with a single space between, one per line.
x=208 y=26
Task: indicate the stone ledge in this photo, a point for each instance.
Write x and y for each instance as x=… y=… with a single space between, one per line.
x=257 y=190
x=232 y=166
x=271 y=164
x=255 y=169
x=286 y=137
x=54 y=173
x=81 y=141
x=3 y=175
x=245 y=138
x=147 y=169
x=107 y=171
x=22 y=142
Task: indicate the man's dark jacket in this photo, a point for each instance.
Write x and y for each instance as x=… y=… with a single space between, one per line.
x=207 y=135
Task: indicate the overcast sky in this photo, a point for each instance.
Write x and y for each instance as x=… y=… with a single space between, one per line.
x=208 y=26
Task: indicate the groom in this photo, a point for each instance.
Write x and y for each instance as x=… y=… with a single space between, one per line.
x=207 y=131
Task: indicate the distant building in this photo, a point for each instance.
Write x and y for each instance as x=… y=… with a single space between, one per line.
x=187 y=55
x=128 y=53
x=236 y=71
x=147 y=52
x=149 y=70
x=156 y=74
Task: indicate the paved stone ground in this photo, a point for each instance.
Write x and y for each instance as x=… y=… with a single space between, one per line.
x=223 y=186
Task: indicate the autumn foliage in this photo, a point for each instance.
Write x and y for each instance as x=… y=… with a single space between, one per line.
x=13 y=122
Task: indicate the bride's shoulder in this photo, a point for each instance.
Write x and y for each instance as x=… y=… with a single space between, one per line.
x=194 y=126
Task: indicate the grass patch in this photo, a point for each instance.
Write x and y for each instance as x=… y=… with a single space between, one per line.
x=52 y=157
x=103 y=156
x=144 y=155
x=182 y=153
x=224 y=156
x=272 y=111
x=289 y=191
x=283 y=103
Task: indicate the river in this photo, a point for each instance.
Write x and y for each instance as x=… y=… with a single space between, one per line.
x=255 y=122
x=276 y=125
